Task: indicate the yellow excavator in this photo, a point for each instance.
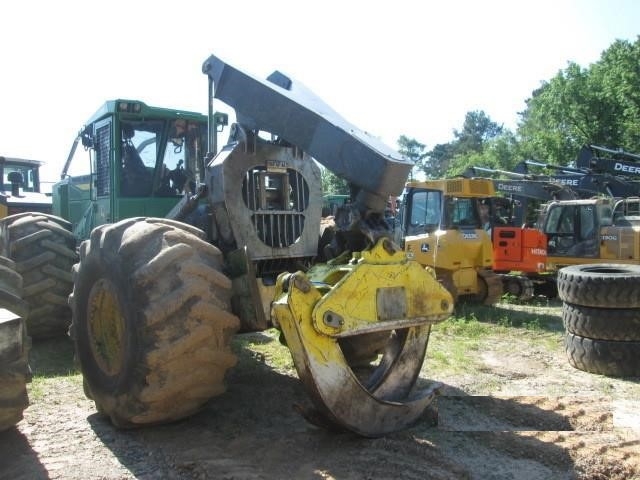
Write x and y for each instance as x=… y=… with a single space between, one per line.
x=156 y=301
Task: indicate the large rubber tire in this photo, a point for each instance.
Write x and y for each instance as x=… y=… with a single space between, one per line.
x=44 y=250
x=151 y=321
x=11 y=288
x=600 y=285
x=14 y=347
x=617 y=324
x=604 y=357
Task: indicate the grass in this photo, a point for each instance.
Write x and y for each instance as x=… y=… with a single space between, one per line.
x=51 y=359
x=454 y=343
x=266 y=348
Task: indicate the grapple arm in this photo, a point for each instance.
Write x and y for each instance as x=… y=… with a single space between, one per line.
x=380 y=293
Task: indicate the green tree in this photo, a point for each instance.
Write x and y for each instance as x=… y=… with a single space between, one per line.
x=436 y=162
x=332 y=184
x=414 y=151
x=618 y=75
x=598 y=105
x=499 y=153
x=476 y=131
x=467 y=147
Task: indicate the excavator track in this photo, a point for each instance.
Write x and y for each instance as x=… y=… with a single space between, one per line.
x=379 y=290
x=494 y=287
x=519 y=286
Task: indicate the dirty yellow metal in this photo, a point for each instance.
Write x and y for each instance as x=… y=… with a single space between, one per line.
x=378 y=290
x=107 y=327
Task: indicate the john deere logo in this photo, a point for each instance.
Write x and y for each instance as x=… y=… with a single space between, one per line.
x=424 y=248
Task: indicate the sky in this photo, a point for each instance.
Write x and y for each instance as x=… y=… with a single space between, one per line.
x=411 y=68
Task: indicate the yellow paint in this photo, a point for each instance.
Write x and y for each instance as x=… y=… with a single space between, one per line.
x=349 y=293
x=106 y=327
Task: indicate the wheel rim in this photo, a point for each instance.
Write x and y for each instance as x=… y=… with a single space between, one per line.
x=106 y=327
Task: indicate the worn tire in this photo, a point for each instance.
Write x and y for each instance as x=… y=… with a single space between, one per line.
x=600 y=285
x=151 y=321
x=14 y=347
x=617 y=324
x=11 y=288
x=44 y=250
x=604 y=357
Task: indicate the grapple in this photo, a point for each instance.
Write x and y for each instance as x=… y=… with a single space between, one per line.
x=373 y=304
x=377 y=292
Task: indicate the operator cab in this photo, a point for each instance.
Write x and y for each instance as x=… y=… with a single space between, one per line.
x=572 y=227
x=425 y=211
x=137 y=160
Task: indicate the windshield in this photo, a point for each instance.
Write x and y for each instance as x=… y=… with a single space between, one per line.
x=29 y=177
x=425 y=212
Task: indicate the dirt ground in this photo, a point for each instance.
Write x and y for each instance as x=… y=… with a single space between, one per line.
x=518 y=410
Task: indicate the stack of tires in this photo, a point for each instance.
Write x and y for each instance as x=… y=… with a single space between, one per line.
x=601 y=316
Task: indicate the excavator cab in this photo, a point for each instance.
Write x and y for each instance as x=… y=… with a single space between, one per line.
x=572 y=228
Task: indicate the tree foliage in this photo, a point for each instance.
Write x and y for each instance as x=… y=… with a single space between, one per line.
x=469 y=144
x=598 y=105
x=413 y=150
x=477 y=129
x=332 y=184
x=499 y=153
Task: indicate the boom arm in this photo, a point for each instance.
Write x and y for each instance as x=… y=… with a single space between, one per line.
x=287 y=109
x=539 y=187
x=597 y=175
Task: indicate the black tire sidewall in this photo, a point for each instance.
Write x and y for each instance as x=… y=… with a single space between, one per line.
x=616 y=324
x=604 y=357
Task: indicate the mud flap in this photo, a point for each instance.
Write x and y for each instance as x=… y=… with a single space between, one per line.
x=378 y=291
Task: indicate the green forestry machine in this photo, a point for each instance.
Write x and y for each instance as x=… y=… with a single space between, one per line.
x=148 y=178
x=186 y=246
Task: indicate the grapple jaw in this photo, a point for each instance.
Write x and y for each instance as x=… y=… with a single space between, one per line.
x=379 y=293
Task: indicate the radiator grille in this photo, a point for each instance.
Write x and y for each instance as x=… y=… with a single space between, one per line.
x=278 y=230
x=103 y=148
x=276 y=200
